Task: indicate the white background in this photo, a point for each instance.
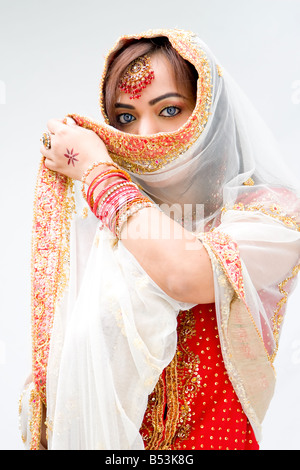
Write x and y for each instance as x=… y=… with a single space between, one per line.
x=51 y=57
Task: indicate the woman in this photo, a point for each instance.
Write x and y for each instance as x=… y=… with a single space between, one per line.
x=168 y=272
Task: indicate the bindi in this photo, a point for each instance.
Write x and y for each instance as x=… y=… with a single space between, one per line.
x=71 y=157
x=137 y=76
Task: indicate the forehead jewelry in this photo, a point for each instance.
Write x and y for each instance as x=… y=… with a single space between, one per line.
x=137 y=76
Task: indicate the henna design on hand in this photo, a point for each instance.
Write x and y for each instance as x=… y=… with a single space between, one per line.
x=71 y=156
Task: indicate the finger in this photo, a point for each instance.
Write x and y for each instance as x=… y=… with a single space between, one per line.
x=69 y=121
x=55 y=125
x=49 y=164
x=45 y=152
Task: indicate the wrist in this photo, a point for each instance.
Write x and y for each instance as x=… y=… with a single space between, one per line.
x=102 y=174
x=112 y=196
x=95 y=169
x=91 y=175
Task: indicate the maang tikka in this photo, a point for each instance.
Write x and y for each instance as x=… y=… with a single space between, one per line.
x=137 y=76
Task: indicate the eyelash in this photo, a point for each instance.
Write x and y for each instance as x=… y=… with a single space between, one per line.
x=169 y=107
x=122 y=115
x=119 y=117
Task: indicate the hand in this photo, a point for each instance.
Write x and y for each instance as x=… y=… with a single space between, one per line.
x=73 y=149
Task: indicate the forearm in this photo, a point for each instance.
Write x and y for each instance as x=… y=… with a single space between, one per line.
x=173 y=257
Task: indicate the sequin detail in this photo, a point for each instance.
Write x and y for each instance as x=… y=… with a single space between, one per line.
x=137 y=76
x=194 y=405
x=272 y=210
x=226 y=251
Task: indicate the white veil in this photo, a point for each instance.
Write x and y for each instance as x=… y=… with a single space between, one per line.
x=234 y=146
x=115 y=331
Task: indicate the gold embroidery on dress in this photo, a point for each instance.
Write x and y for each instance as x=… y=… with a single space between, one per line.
x=154 y=413
x=188 y=383
x=172 y=404
x=182 y=383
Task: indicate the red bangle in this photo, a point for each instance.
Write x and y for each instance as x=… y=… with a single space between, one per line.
x=100 y=179
x=112 y=202
x=117 y=202
x=105 y=193
x=95 y=165
x=96 y=181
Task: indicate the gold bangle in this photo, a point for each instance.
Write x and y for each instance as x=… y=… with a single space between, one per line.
x=90 y=169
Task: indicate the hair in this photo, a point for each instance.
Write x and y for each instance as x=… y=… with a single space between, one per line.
x=185 y=73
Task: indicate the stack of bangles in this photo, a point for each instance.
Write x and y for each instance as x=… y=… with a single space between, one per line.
x=115 y=202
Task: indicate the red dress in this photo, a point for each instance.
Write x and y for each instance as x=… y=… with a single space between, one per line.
x=194 y=405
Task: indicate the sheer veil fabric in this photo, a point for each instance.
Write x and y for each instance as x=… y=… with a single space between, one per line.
x=112 y=330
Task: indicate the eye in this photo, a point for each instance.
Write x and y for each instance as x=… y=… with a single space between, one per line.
x=125 y=118
x=170 y=111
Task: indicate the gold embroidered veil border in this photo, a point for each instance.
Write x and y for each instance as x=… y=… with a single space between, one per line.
x=53 y=209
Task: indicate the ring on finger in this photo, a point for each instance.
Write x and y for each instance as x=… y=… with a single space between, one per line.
x=46 y=140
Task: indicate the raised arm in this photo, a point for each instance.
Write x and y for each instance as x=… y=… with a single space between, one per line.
x=173 y=257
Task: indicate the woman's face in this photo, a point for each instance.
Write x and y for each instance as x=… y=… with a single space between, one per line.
x=162 y=106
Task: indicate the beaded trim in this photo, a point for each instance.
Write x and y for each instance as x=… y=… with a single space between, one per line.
x=278 y=317
x=54 y=206
x=226 y=251
x=145 y=154
x=227 y=254
x=272 y=210
x=53 y=209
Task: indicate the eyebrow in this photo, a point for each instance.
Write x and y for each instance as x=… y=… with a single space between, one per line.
x=152 y=102
x=163 y=97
